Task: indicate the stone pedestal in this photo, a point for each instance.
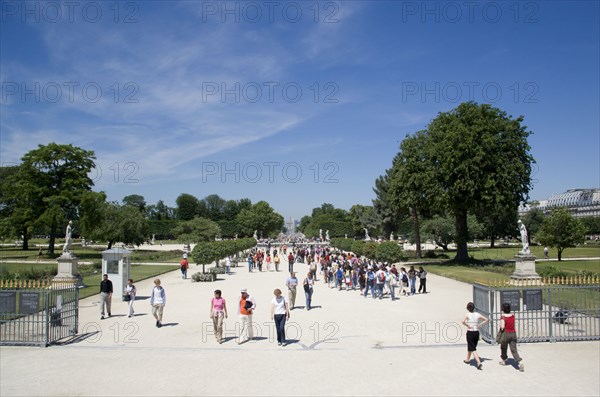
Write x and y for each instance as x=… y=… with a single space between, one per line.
x=67 y=269
x=524 y=269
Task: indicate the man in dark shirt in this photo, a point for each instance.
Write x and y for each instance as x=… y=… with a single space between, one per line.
x=106 y=290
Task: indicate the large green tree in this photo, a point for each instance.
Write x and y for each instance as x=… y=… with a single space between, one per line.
x=260 y=217
x=196 y=230
x=187 y=207
x=20 y=205
x=120 y=223
x=137 y=201
x=411 y=182
x=561 y=230
x=479 y=158
x=51 y=181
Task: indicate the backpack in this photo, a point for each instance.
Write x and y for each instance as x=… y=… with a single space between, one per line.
x=370 y=276
x=404 y=278
x=382 y=277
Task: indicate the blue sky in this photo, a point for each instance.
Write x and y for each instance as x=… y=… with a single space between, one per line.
x=295 y=103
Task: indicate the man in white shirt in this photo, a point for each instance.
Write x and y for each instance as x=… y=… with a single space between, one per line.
x=292 y=283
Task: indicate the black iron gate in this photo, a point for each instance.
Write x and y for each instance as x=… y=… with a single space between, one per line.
x=558 y=309
x=38 y=312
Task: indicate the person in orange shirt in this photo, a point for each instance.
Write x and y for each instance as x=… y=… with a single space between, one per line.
x=246 y=308
x=184 y=266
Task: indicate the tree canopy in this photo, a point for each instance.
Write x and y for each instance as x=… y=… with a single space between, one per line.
x=47 y=188
x=472 y=159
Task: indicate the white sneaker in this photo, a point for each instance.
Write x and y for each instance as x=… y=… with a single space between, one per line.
x=522 y=367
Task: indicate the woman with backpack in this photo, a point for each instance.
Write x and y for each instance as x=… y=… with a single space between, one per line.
x=404 y=280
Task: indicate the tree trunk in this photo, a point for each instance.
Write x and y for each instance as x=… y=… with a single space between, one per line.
x=560 y=250
x=492 y=241
x=25 y=240
x=415 y=217
x=53 y=227
x=110 y=243
x=462 y=231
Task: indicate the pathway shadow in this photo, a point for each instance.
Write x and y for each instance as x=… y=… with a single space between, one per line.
x=77 y=338
x=170 y=324
x=141 y=298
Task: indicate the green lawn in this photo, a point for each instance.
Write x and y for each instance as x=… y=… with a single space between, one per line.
x=88 y=254
x=91 y=280
x=502 y=272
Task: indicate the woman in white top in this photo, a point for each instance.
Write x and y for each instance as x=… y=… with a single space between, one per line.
x=280 y=313
x=130 y=291
x=472 y=322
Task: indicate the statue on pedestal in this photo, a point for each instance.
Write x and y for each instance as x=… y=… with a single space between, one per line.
x=68 y=238
x=327 y=235
x=524 y=238
x=367 y=238
x=321 y=234
x=392 y=236
x=255 y=235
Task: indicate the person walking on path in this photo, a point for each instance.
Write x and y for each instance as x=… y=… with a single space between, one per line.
x=158 y=300
x=379 y=281
x=250 y=263
x=507 y=323
x=422 y=280
x=290 y=262
x=245 y=309
x=106 y=291
x=184 y=266
x=309 y=283
x=412 y=280
x=370 y=278
x=268 y=261
x=228 y=265
x=391 y=282
x=130 y=291
x=218 y=312
x=276 y=261
x=279 y=313
x=472 y=322
x=403 y=280
x=292 y=284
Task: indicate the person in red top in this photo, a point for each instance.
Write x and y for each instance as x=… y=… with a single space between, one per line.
x=507 y=323
x=184 y=266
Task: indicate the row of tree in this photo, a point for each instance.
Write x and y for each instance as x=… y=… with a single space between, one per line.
x=207 y=252
x=52 y=185
x=388 y=251
x=461 y=178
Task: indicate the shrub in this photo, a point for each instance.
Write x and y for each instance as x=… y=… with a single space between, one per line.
x=203 y=277
x=551 y=271
x=389 y=251
x=217 y=270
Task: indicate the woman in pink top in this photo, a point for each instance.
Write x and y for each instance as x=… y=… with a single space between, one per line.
x=218 y=311
x=507 y=323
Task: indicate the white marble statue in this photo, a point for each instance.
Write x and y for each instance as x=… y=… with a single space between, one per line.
x=321 y=234
x=524 y=238
x=327 y=235
x=255 y=235
x=392 y=236
x=367 y=234
x=68 y=238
